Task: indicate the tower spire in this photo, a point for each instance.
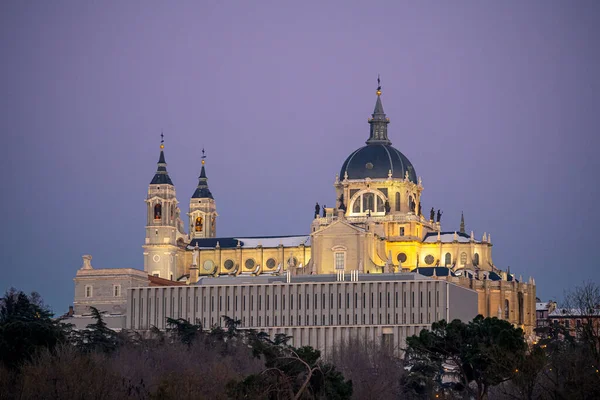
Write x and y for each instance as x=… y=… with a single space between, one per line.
x=379 y=121
x=462 y=222
x=202 y=190
x=161 y=176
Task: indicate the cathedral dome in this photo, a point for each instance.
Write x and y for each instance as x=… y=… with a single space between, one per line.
x=375 y=161
x=378 y=158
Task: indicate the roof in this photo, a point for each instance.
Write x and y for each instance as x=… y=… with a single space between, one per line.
x=573 y=312
x=250 y=242
x=375 y=161
x=542 y=306
x=202 y=190
x=270 y=279
x=156 y=281
x=439 y=271
x=448 y=237
x=161 y=177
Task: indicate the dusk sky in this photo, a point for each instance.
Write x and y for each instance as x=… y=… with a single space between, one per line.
x=495 y=103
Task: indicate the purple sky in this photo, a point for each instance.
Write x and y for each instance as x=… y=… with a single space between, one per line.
x=497 y=105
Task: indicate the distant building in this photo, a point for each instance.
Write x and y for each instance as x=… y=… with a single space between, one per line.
x=542 y=310
x=376 y=227
x=573 y=319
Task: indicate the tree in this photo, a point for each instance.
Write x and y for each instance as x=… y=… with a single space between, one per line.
x=185 y=331
x=97 y=337
x=26 y=327
x=485 y=352
x=291 y=373
x=583 y=304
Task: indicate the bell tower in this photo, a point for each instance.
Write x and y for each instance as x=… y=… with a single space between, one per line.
x=203 y=211
x=160 y=247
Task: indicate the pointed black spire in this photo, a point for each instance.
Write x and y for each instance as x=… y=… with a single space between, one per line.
x=462 y=222
x=162 y=176
x=378 y=121
x=202 y=191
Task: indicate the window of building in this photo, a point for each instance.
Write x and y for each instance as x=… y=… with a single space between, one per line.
x=157 y=211
x=401 y=231
x=463 y=258
x=506 y=309
x=448 y=259
x=117 y=290
x=340 y=260
x=476 y=259
x=89 y=291
x=368 y=202
x=397 y=201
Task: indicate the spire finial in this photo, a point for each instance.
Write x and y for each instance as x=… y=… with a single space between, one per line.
x=378 y=85
x=162 y=140
x=462 y=222
x=203 y=156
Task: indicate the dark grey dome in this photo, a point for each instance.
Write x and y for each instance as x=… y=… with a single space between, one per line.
x=375 y=161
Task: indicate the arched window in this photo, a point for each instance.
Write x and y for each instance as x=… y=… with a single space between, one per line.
x=368 y=202
x=448 y=259
x=397 y=201
x=476 y=259
x=199 y=224
x=157 y=211
x=463 y=258
x=506 y=310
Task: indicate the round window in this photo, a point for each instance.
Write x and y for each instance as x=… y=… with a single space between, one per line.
x=271 y=263
x=208 y=265
x=369 y=165
x=249 y=263
x=402 y=257
x=228 y=265
x=156 y=258
x=429 y=259
x=292 y=261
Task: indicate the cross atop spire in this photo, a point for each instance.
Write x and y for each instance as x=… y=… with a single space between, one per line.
x=379 y=121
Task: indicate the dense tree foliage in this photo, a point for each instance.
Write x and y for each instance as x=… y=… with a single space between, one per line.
x=26 y=327
x=485 y=352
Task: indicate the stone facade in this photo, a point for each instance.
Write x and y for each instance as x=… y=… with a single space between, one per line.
x=318 y=311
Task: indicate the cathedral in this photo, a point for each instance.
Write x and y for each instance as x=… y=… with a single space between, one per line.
x=377 y=226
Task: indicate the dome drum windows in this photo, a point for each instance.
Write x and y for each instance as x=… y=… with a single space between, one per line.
x=368 y=202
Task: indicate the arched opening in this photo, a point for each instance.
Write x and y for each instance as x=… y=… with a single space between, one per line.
x=397 y=201
x=157 y=211
x=476 y=259
x=521 y=308
x=506 y=310
x=368 y=202
x=463 y=258
x=199 y=224
x=448 y=259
